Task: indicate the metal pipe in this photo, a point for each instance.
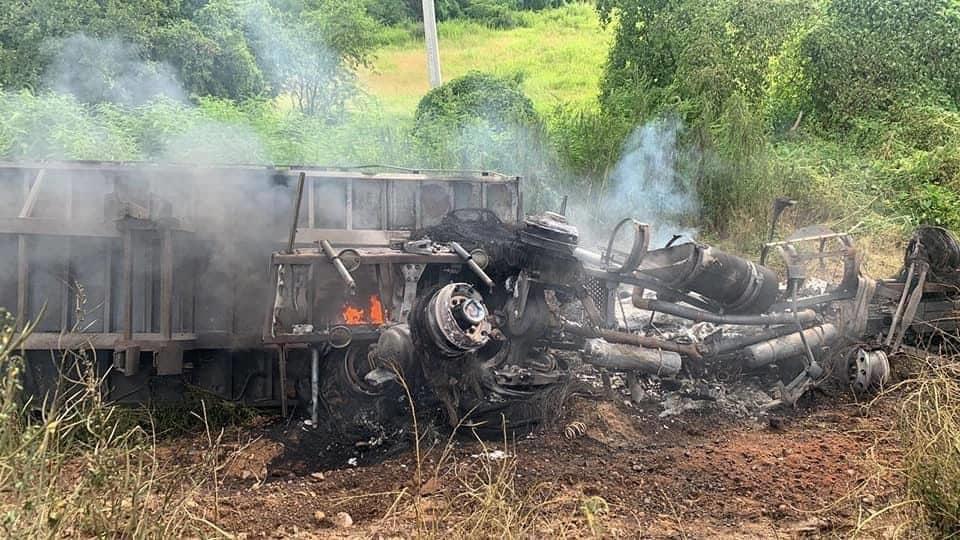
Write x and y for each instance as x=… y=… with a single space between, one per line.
x=296 y=212
x=625 y=338
x=472 y=264
x=732 y=282
x=725 y=346
x=912 y=304
x=587 y=256
x=315 y=386
x=900 y=305
x=769 y=352
x=338 y=264
x=697 y=315
x=619 y=356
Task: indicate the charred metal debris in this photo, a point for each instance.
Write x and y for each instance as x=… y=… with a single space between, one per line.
x=497 y=321
x=386 y=287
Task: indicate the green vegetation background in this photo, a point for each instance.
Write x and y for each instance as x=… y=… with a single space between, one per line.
x=849 y=106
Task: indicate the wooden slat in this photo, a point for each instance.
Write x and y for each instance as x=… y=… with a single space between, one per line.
x=108 y=287
x=66 y=286
x=76 y=340
x=127 y=323
x=340 y=237
x=145 y=341
x=439 y=175
x=370 y=256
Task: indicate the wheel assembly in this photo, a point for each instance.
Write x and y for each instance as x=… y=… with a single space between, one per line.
x=867 y=371
x=455 y=320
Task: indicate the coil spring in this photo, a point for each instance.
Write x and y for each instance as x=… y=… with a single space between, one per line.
x=575 y=430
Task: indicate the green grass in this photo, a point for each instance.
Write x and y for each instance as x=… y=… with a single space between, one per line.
x=559 y=54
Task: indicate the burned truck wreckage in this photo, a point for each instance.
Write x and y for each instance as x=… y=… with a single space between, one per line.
x=428 y=288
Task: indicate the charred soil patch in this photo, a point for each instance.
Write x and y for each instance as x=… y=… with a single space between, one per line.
x=623 y=471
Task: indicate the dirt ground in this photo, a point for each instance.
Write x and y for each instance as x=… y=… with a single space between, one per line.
x=606 y=469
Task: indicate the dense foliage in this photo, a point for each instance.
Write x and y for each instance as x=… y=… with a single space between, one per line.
x=764 y=87
x=847 y=105
x=496 y=13
x=223 y=48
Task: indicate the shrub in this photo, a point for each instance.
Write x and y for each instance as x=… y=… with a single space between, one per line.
x=869 y=55
x=391 y=12
x=493 y=13
x=483 y=121
x=471 y=118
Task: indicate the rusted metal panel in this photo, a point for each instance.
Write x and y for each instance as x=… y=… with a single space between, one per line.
x=8 y=271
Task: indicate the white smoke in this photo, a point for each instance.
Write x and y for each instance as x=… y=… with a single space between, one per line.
x=645 y=184
x=98 y=70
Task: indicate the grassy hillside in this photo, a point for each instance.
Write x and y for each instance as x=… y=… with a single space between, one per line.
x=559 y=53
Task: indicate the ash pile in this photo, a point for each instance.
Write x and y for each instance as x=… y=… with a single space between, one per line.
x=498 y=323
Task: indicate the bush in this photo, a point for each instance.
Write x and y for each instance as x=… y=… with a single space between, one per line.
x=932 y=204
x=493 y=13
x=392 y=12
x=588 y=140
x=475 y=101
x=480 y=121
x=868 y=56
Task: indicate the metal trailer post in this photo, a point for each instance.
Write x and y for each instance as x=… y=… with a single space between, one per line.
x=315 y=386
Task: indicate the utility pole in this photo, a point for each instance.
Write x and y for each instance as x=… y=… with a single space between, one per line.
x=433 y=46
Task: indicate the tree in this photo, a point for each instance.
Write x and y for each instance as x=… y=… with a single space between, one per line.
x=32 y=33
x=694 y=55
x=315 y=55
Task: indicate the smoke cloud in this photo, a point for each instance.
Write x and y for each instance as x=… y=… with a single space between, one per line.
x=646 y=184
x=239 y=217
x=98 y=70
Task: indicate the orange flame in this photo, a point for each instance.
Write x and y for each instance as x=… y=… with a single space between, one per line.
x=376 y=310
x=354 y=315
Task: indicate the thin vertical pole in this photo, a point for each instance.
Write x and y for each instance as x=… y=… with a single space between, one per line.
x=433 y=45
x=283 y=381
x=297 y=199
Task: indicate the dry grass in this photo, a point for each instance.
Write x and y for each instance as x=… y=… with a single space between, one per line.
x=930 y=426
x=913 y=489
x=482 y=496
x=75 y=467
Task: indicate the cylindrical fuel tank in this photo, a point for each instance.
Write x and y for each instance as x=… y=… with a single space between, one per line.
x=736 y=284
x=619 y=356
x=789 y=346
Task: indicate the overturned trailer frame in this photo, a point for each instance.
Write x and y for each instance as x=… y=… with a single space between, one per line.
x=161 y=271
x=180 y=277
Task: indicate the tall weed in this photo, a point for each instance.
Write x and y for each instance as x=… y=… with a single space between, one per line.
x=72 y=466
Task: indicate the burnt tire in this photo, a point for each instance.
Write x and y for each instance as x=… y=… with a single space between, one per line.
x=356 y=410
